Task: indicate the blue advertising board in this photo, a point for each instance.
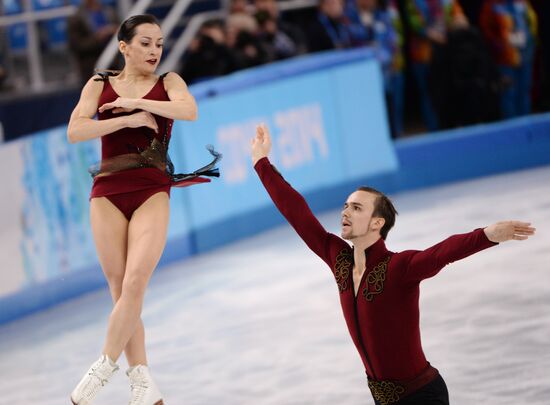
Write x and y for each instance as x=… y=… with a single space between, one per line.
x=323 y=124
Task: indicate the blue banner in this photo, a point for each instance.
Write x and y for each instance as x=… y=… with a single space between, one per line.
x=328 y=127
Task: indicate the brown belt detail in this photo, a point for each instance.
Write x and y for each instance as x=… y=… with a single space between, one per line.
x=389 y=392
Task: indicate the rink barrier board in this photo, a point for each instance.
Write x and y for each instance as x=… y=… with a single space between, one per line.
x=49 y=293
x=471 y=152
x=425 y=161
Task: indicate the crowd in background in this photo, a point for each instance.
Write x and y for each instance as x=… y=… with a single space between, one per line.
x=461 y=70
x=451 y=62
x=88 y=33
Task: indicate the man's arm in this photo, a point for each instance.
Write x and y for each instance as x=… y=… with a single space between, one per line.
x=289 y=202
x=427 y=263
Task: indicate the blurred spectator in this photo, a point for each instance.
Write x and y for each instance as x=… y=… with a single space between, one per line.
x=238 y=7
x=3 y=75
x=464 y=80
x=378 y=24
x=430 y=22
x=89 y=31
x=364 y=20
x=510 y=27
x=278 y=44
x=291 y=30
x=208 y=55
x=242 y=38
x=472 y=9
x=542 y=9
x=3 y=67
x=331 y=28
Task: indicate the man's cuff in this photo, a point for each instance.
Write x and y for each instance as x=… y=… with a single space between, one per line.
x=261 y=163
x=485 y=239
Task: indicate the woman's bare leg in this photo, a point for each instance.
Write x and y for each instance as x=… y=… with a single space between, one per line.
x=146 y=240
x=110 y=230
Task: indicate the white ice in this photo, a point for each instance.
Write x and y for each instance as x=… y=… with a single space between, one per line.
x=259 y=322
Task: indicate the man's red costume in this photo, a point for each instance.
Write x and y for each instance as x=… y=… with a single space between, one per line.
x=383 y=319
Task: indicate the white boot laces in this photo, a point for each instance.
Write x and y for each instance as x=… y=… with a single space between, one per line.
x=97 y=375
x=139 y=386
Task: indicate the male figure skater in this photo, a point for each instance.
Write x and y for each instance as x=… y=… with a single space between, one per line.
x=379 y=289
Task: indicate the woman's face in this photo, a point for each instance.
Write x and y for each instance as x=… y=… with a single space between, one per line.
x=144 y=50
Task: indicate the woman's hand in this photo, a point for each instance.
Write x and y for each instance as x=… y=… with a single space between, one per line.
x=142 y=119
x=120 y=105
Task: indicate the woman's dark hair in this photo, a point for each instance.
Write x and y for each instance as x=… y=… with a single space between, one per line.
x=127 y=29
x=383 y=208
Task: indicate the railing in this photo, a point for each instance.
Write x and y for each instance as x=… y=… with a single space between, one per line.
x=171 y=61
x=30 y=17
x=27 y=16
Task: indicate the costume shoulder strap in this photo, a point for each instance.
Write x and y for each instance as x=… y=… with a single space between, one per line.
x=103 y=77
x=105 y=74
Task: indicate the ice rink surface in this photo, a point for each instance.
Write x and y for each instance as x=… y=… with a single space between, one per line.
x=259 y=321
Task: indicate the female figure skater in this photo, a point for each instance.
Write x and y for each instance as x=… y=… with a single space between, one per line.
x=129 y=202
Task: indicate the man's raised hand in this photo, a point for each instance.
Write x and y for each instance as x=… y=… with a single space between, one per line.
x=261 y=143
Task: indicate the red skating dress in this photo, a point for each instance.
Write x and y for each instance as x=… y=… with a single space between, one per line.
x=134 y=161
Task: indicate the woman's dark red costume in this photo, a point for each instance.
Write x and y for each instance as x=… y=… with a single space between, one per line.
x=134 y=161
x=383 y=319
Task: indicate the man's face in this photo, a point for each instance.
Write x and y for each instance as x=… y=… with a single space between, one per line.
x=357 y=217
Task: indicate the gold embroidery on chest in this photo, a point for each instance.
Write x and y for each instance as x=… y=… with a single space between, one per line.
x=386 y=392
x=375 y=280
x=341 y=269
